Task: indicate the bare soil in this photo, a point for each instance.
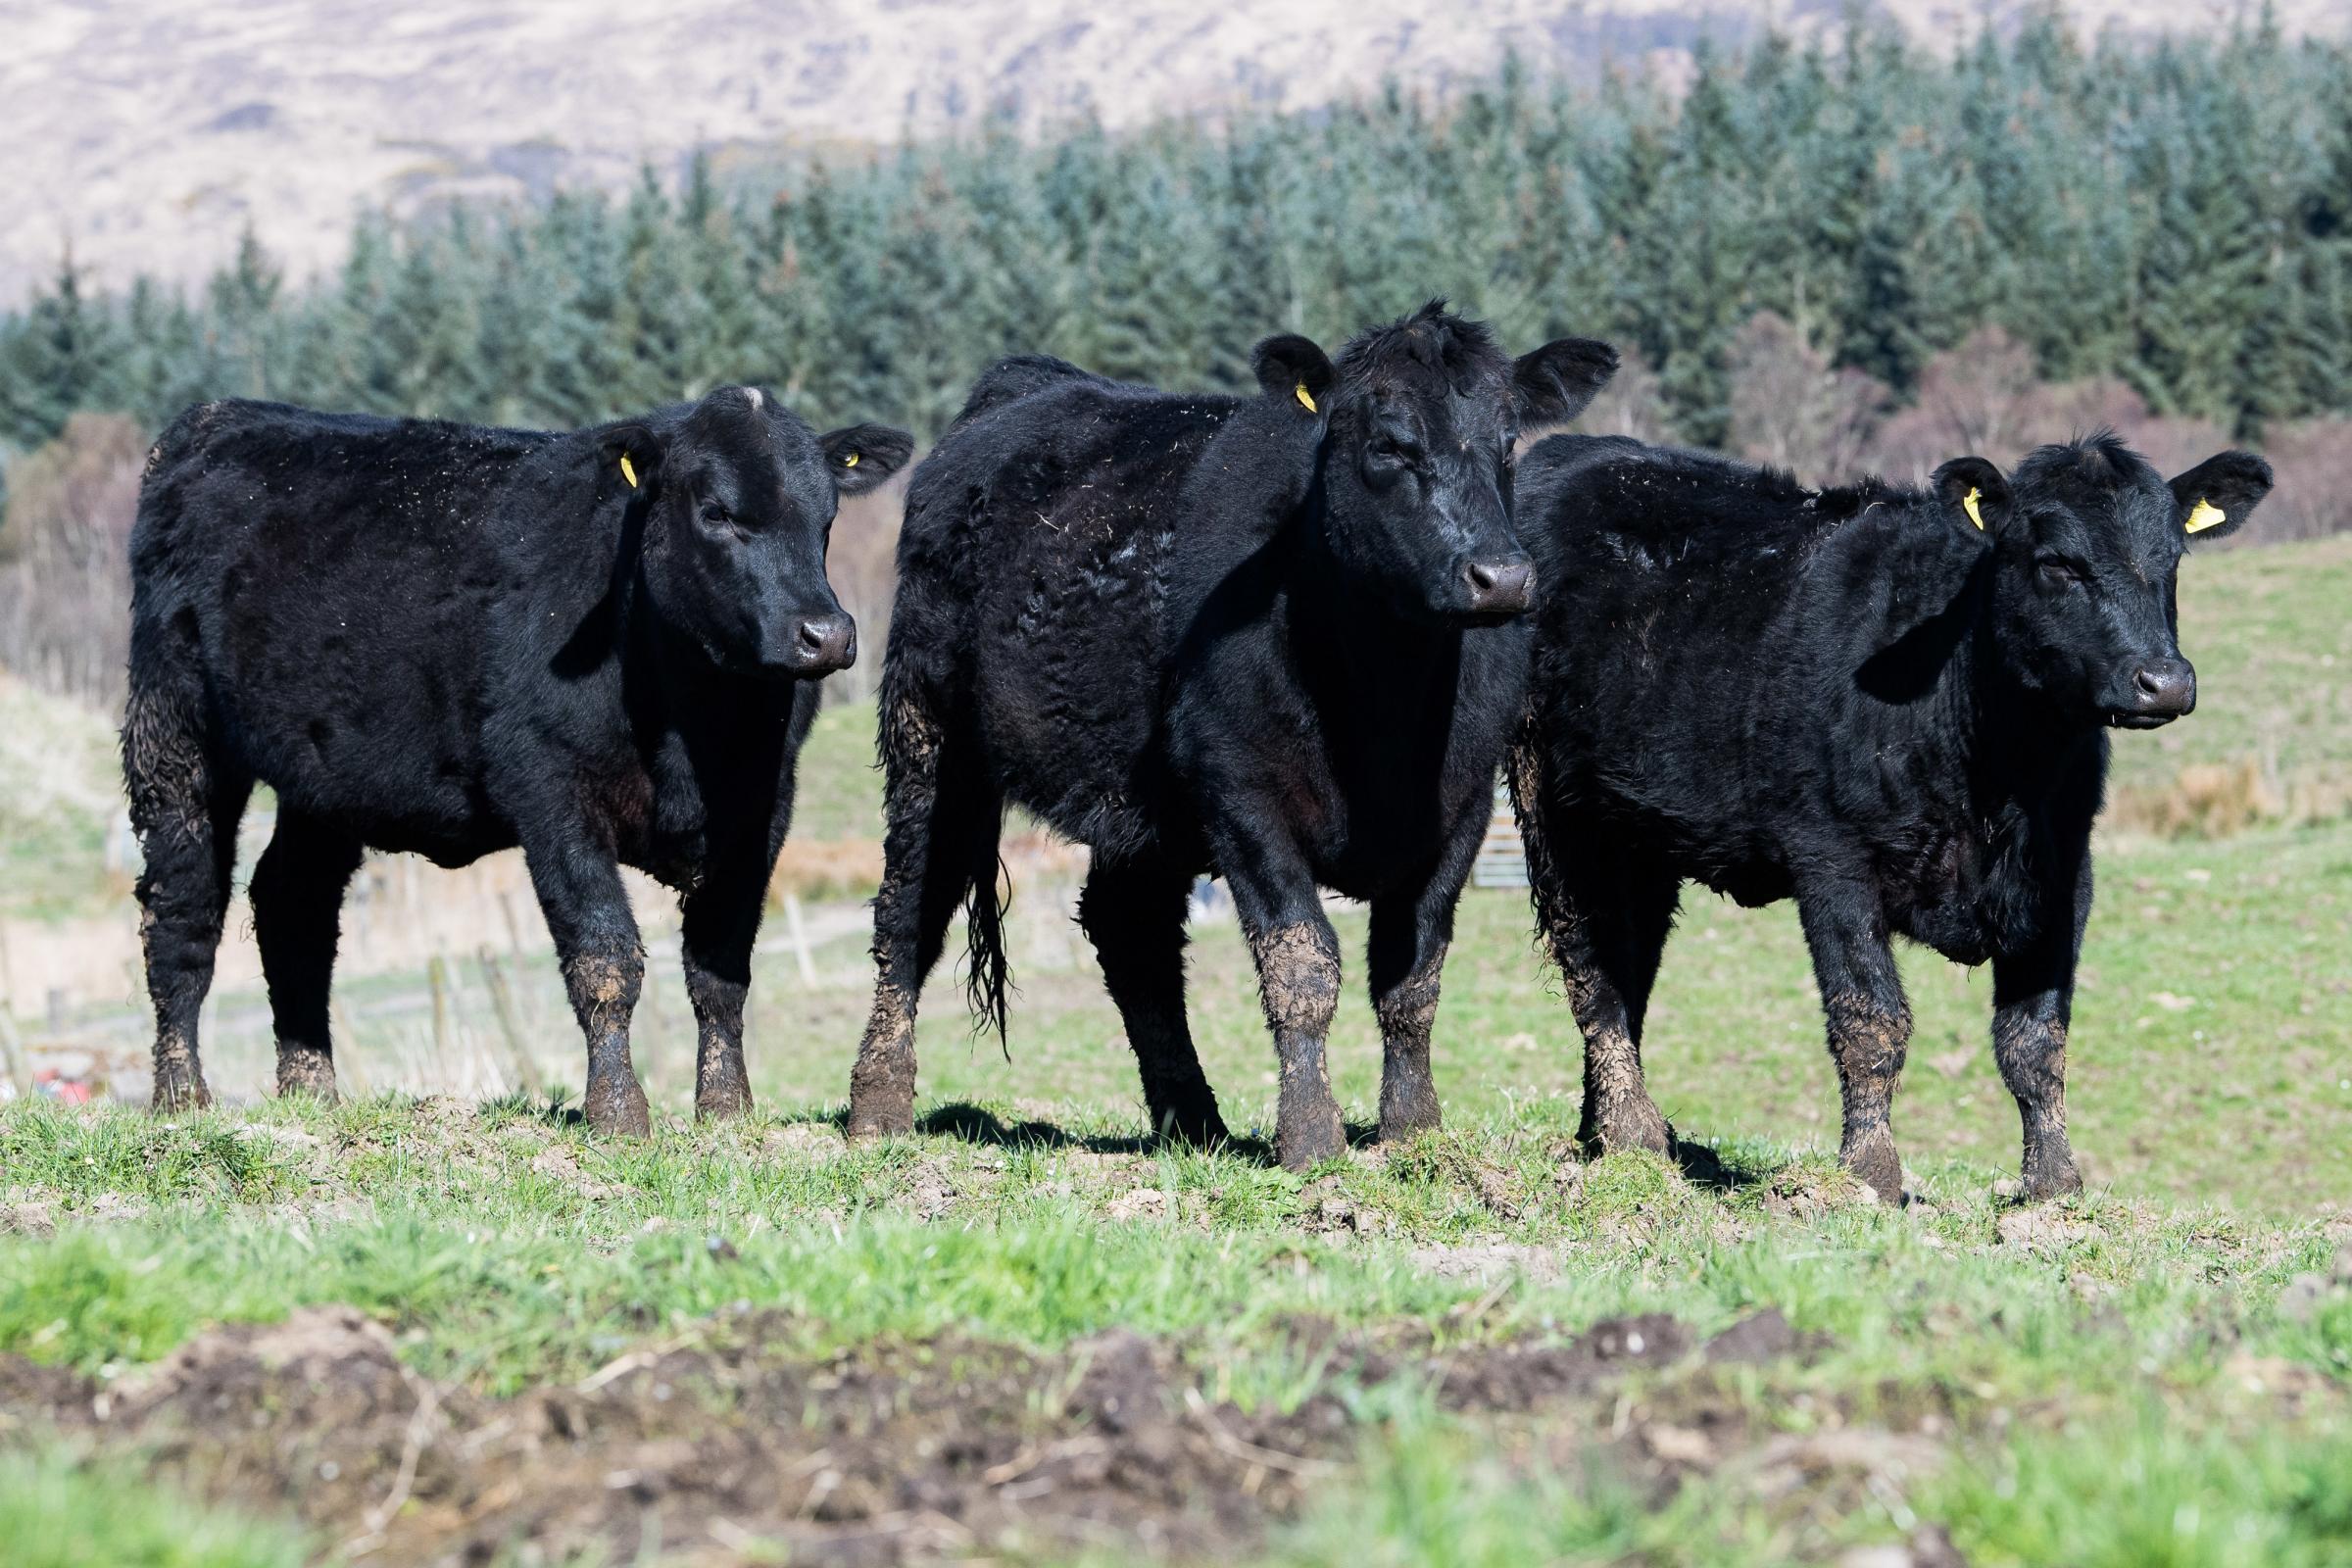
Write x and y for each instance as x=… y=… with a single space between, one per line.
x=720 y=1450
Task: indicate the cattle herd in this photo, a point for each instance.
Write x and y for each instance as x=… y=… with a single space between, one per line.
x=1289 y=638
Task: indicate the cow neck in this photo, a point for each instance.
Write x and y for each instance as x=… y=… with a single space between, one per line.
x=2018 y=746
x=1351 y=635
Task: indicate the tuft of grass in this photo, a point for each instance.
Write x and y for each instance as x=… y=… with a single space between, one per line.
x=57 y=1510
x=2130 y=1488
x=2146 y=1488
x=193 y=1158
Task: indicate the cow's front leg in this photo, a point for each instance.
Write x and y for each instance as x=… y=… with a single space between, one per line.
x=720 y=924
x=1869 y=1024
x=2033 y=1002
x=2029 y=1040
x=1297 y=958
x=1405 y=952
x=587 y=910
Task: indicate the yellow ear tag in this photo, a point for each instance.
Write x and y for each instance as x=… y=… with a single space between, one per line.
x=2204 y=515
x=1305 y=400
x=1968 y=503
x=629 y=470
x=850 y=462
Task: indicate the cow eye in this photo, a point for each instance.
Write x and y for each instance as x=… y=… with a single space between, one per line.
x=2058 y=573
x=1392 y=448
x=717 y=516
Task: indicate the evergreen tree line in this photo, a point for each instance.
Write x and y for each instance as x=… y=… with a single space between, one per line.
x=2178 y=218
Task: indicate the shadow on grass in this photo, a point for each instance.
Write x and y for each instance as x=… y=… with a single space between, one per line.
x=1701 y=1167
x=977 y=1124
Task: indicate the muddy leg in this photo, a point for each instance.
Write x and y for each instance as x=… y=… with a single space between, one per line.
x=1134 y=917
x=1869 y=1026
x=1407 y=1010
x=2029 y=1040
x=587 y=910
x=185 y=806
x=2032 y=1004
x=1299 y=980
x=722 y=922
x=940 y=837
x=297 y=907
x=1605 y=916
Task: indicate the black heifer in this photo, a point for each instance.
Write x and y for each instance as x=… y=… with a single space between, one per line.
x=603 y=646
x=1890 y=705
x=1273 y=635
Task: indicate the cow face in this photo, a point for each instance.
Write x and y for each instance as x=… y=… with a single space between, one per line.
x=2088 y=545
x=739 y=500
x=1422 y=419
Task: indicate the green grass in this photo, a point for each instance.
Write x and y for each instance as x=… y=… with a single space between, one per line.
x=2128 y=1487
x=58 y=1511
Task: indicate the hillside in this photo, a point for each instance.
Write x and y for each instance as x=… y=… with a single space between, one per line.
x=158 y=133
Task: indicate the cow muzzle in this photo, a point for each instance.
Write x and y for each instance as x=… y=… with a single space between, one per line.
x=821 y=645
x=1499 y=587
x=2162 y=689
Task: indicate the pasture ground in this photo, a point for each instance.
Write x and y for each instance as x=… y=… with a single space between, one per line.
x=424 y=1330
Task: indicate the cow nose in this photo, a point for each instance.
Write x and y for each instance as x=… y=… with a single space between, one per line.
x=1500 y=585
x=824 y=644
x=2166 y=687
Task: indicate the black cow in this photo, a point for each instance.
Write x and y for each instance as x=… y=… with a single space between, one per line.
x=603 y=646
x=1274 y=635
x=1889 y=703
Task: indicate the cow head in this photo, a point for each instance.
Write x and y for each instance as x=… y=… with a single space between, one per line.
x=738 y=499
x=2087 y=541
x=1421 y=420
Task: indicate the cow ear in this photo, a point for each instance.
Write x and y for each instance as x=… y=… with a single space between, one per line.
x=1292 y=367
x=1552 y=385
x=1974 y=493
x=2216 y=496
x=631 y=453
x=863 y=455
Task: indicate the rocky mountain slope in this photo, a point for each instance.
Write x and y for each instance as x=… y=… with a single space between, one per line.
x=149 y=133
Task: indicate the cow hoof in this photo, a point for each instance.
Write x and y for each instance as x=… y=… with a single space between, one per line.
x=1636 y=1127
x=1306 y=1138
x=1196 y=1126
x=178 y=1090
x=1874 y=1162
x=729 y=1104
x=1409 y=1110
x=2049 y=1176
x=1623 y=1122
x=722 y=1094
x=880 y=1116
x=617 y=1108
x=308 y=1072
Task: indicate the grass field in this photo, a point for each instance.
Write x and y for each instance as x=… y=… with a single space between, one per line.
x=407 y=1330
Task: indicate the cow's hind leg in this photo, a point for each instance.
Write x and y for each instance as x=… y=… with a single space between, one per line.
x=185 y=803
x=939 y=847
x=1134 y=917
x=1604 y=915
x=1869 y=1024
x=297 y=904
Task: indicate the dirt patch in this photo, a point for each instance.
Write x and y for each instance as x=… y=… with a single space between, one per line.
x=950 y=1449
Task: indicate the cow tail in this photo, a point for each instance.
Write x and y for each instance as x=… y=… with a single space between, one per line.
x=988 y=975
